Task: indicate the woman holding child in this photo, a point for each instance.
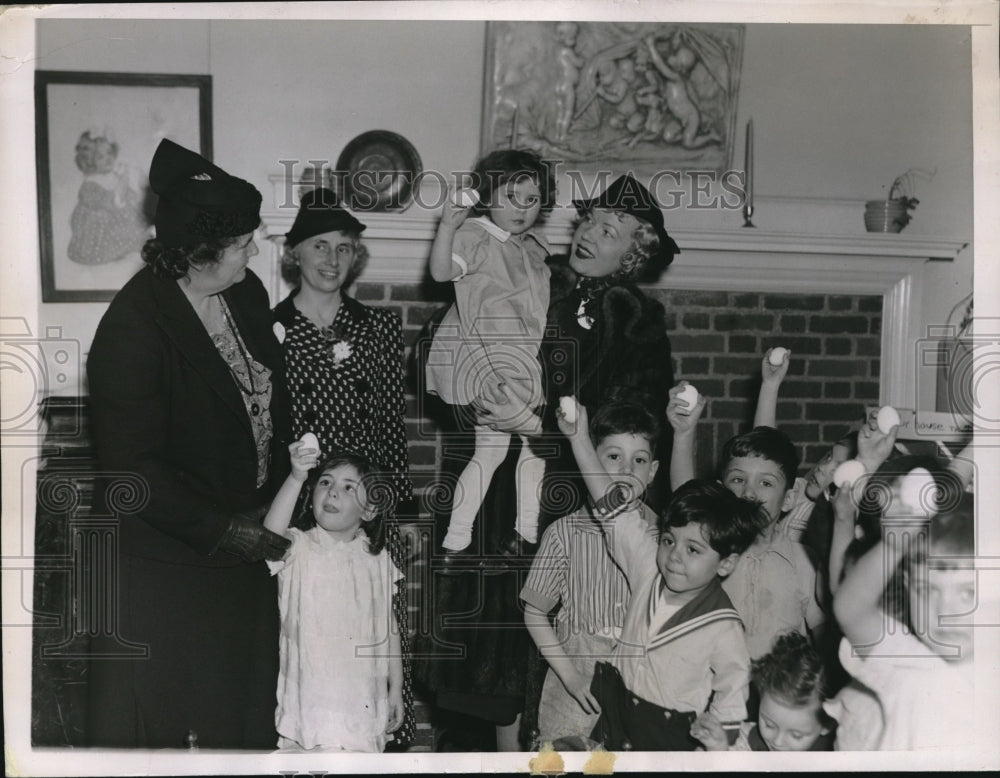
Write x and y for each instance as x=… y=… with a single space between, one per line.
x=604 y=340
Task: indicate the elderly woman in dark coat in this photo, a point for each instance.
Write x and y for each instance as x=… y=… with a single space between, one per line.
x=190 y=421
x=605 y=340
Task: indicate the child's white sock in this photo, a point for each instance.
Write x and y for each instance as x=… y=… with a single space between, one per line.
x=456 y=540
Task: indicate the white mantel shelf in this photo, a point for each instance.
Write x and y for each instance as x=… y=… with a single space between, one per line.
x=869 y=244
x=728 y=259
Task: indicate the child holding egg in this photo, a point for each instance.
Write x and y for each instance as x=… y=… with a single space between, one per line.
x=490 y=336
x=774 y=584
x=573 y=577
x=900 y=607
x=340 y=684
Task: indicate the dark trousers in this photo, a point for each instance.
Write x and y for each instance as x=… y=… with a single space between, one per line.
x=630 y=723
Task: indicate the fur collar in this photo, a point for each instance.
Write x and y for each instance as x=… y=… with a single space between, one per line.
x=633 y=315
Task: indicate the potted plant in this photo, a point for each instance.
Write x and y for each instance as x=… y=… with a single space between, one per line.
x=893 y=213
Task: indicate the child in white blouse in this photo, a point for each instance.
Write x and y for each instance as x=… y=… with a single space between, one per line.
x=340 y=684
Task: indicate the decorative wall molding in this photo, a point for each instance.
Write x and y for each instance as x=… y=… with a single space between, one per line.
x=738 y=259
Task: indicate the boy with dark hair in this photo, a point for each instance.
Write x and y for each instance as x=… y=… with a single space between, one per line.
x=774 y=585
x=573 y=575
x=681 y=649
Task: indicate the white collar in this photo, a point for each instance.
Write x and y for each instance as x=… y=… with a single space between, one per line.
x=502 y=235
x=497 y=232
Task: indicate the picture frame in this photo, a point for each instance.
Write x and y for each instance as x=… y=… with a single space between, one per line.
x=647 y=97
x=95 y=134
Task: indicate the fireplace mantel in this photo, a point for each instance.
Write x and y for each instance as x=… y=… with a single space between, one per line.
x=737 y=259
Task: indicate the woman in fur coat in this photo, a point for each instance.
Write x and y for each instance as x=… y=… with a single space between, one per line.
x=604 y=340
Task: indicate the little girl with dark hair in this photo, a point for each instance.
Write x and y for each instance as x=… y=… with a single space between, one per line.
x=791 y=682
x=490 y=337
x=340 y=686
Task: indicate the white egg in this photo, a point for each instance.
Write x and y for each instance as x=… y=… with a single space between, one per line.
x=309 y=440
x=689 y=396
x=777 y=355
x=465 y=198
x=888 y=417
x=847 y=473
x=568 y=407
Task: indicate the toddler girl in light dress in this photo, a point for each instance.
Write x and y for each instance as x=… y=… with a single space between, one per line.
x=340 y=684
x=490 y=336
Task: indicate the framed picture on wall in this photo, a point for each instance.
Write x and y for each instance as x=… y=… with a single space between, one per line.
x=95 y=134
x=642 y=96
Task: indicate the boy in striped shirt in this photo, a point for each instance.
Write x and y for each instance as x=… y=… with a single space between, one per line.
x=573 y=575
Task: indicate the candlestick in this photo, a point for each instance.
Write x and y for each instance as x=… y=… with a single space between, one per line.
x=748 y=174
x=513 y=129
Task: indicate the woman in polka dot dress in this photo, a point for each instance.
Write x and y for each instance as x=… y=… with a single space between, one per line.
x=344 y=367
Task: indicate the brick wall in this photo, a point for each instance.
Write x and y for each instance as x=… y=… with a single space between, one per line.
x=718 y=339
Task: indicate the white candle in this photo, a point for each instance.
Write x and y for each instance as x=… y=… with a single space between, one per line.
x=748 y=165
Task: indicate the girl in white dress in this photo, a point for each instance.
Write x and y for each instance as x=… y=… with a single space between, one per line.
x=340 y=684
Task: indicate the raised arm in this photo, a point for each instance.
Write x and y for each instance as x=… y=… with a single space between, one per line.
x=858 y=601
x=442 y=266
x=283 y=506
x=845 y=514
x=683 y=419
x=668 y=73
x=771 y=377
x=600 y=485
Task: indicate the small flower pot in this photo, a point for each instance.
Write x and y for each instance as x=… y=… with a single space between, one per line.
x=886 y=215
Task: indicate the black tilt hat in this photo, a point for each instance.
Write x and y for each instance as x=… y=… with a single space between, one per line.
x=318 y=213
x=199 y=201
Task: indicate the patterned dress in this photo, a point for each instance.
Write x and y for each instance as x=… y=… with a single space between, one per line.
x=348 y=390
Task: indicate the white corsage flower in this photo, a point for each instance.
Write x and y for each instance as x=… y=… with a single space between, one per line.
x=341 y=351
x=279 y=331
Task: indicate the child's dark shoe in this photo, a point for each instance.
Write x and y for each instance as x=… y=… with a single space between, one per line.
x=455 y=562
x=515 y=547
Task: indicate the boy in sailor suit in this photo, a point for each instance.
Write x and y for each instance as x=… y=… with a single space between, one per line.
x=682 y=641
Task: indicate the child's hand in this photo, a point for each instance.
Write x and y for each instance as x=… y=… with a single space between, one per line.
x=845 y=507
x=397 y=711
x=681 y=417
x=709 y=732
x=304 y=458
x=578 y=426
x=521 y=388
x=874 y=446
x=452 y=214
x=578 y=685
x=771 y=374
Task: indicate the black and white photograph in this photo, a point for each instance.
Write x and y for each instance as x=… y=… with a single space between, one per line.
x=299 y=479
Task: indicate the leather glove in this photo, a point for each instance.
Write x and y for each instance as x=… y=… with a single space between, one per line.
x=248 y=539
